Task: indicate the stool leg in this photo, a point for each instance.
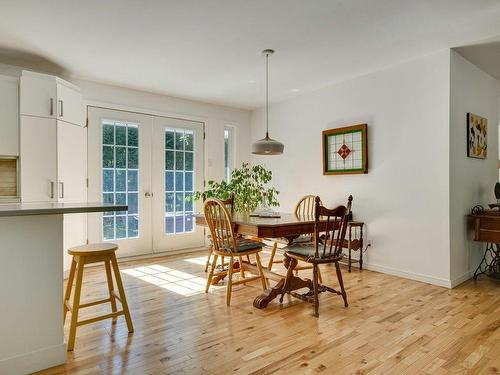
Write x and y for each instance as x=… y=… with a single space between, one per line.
x=119 y=284
x=69 y=286
x=109 y=277
x=76 y=304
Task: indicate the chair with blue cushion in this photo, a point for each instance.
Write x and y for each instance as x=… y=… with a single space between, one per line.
x=225 y=244
x=330 y=229
x=229 y=203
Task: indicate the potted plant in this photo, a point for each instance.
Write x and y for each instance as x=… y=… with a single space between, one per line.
x=249 y=184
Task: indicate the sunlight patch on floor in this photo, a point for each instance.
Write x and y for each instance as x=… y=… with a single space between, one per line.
x=200 y=260
x=173 y=280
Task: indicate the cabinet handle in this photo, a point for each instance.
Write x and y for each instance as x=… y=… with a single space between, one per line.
x=61 y=108
x=51 y=189
x=52 y=106
x=61 y=193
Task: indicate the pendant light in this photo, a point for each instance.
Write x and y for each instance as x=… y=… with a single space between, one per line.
x=267 y=146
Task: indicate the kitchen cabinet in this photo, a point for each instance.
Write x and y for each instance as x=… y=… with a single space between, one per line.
x=47 y=96
x=9 y=116
x=38 y=160
x=52 y=160
x=70 y=162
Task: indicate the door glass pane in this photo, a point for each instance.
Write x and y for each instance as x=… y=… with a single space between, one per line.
x=120 y=179
x=179 y=180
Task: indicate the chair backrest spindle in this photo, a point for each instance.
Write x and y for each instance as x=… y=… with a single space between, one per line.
x=335 y=228
x=219 y=220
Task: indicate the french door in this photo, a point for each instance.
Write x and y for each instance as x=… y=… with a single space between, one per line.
x=177 y=173
x=153 y=164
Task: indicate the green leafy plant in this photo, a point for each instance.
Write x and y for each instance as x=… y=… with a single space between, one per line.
x=249 y=184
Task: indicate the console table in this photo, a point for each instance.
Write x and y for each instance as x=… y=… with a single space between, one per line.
x=487 y=229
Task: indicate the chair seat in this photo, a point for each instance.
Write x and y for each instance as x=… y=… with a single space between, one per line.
x=93 y=249
x=304 y=249
x=308 y=250
x=246 y=245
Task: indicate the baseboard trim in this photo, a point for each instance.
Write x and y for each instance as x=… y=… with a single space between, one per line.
x=34 y=361
x=461 y=279
x=408 y=275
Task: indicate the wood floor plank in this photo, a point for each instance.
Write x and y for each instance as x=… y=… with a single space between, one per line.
x=392 y=326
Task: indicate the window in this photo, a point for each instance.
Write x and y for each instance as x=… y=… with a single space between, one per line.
x=120 y=179
x=228 y=152
x=179 y=180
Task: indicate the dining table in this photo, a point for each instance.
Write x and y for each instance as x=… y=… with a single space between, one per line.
x=288 y=226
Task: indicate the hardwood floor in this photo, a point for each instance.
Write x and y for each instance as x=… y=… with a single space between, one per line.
x=392 y=326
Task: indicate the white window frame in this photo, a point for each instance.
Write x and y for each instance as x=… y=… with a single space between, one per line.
x=229 y=159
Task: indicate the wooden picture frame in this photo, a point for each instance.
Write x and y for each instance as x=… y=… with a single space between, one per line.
x=345 y=150
x=477 y=136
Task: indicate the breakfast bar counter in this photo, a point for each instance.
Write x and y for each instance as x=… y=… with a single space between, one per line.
x=31 y=283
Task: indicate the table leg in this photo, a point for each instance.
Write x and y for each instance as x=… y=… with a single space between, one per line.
x=286 y=285
x=486 y=267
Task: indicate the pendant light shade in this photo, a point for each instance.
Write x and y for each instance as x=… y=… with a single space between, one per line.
x=267 y=146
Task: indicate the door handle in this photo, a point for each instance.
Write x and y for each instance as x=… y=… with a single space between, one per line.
x=61 y=108
x=51 y=106
x=61 y=192
x=148 y=194
x=51 y=189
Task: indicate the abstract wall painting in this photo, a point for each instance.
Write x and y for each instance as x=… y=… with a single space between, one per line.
x=477 y=136
x=345 y=150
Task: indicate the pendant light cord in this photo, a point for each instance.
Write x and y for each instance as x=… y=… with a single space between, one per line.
x=267 y=95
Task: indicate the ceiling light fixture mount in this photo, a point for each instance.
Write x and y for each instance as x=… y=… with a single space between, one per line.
x=267 y=146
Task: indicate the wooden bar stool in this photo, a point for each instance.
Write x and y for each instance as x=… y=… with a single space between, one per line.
x=87 y=254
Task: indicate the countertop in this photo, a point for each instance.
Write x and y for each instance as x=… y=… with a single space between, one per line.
x=47 y=208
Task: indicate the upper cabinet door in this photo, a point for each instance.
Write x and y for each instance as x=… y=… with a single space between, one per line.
x=69 y=104
x=9 y=116
x=38 y=95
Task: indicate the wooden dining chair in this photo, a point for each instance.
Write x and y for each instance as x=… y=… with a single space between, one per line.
x=327 y=248
x=229 y=204
x=304 y=210
x=225 y=244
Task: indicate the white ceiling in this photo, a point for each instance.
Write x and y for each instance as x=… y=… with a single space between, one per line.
x=209 y=50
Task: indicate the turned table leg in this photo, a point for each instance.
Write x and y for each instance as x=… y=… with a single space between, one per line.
x=286 y=285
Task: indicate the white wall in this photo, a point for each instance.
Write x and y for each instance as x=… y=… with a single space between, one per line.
x=404 y=199
x=214 y=116
x=471 y=180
